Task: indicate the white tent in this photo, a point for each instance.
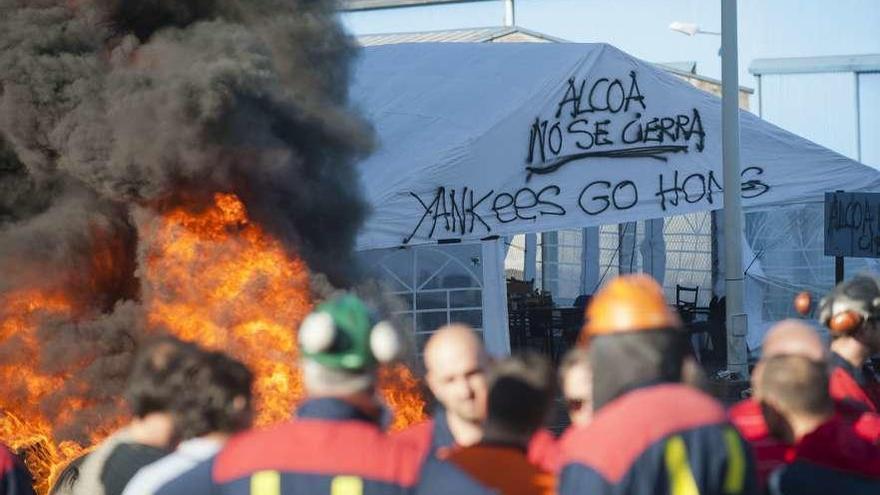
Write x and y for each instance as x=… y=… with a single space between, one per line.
x=482 y=141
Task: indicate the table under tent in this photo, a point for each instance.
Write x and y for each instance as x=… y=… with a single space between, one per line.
x=613 y=162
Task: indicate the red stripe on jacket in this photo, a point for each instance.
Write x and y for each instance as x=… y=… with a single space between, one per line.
x=322 y=447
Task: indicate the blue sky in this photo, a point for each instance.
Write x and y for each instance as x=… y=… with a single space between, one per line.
x=767 y=28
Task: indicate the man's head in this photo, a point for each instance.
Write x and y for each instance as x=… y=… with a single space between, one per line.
x=342 y=343
x=520 y=393
x=634 y=338
x=576 y=377
x=159 y=376
x=455 y=364
x=220 y=399
x=793 y=338
x=794 y=397
x=852 y=310
x=790 y=338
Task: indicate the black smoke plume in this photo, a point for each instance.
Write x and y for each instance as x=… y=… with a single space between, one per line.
x=112 y=106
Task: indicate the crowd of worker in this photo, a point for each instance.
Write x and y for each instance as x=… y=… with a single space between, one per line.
x=641 y=422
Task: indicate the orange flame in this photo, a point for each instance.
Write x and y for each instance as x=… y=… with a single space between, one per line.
x=22 y=426
x=211 y=277
x=217 y=279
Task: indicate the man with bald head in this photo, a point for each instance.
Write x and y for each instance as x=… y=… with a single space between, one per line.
x=455 y=371
x=455 y=366
x=786 y=338
x=827 y=455
x=794 y=338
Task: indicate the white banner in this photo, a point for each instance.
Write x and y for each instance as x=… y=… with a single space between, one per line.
x=485 y=140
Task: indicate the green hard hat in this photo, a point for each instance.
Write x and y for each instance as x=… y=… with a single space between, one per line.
x=343 y=333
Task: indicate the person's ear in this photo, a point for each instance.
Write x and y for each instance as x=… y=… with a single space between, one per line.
x=756 y=376
x=777 y=423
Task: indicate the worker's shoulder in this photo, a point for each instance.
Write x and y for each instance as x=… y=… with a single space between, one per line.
x=417 y=431
x=627 y=427
x=358 y=448
x=658 y=410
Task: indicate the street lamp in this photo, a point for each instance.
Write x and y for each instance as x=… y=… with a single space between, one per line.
x=690 y=28
x=736 y=321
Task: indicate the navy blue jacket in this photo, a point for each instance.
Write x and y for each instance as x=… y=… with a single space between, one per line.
x=658 y=440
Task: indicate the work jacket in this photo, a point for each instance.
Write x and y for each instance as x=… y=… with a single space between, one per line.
x=14 y=478
x=660 y=439
x=330 y=448
x=503 y=468
x=434 y=439
x=768 y=451
x=851 y=385
x=831 y=459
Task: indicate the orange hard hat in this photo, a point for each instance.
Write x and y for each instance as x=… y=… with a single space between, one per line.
x=626 y=304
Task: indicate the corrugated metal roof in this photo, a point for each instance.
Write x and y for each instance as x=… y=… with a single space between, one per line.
x=689 y=67
x=805 y=65
x=355 y=5
x=499 y=33
x=689 y=73
x=473 y=35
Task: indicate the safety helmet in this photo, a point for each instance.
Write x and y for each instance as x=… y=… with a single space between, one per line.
x=629 y=303
x=343 y=333
x=850 y=304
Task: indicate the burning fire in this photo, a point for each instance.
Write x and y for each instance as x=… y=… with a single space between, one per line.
x=210 y=276
x=22 y=426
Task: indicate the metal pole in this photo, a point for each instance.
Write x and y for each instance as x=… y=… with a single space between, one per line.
x=737 y=357
x=838 y=269
x=530 y=257
x=509 y=13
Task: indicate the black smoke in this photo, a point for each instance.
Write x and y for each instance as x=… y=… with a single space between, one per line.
x=112 y=106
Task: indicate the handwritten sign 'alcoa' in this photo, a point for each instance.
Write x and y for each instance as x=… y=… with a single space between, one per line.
x=487 y=140
x=852 y=224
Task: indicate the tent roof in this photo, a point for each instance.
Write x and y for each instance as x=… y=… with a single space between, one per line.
x=468 y=35
x=457 y=122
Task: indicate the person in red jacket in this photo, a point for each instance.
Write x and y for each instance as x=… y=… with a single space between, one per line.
x=14 y=478
x=650 y=433
x=789 y=337
x=827 y=455
x=852 y=312
x=455 y=365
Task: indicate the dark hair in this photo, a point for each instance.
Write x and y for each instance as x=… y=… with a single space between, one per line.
x=219 y=397
x=521 y=390
x=158 y=376
x=68 y=477
x=796 y=384
x=623 y=361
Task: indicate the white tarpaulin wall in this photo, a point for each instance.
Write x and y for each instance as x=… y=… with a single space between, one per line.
x=478 y=141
